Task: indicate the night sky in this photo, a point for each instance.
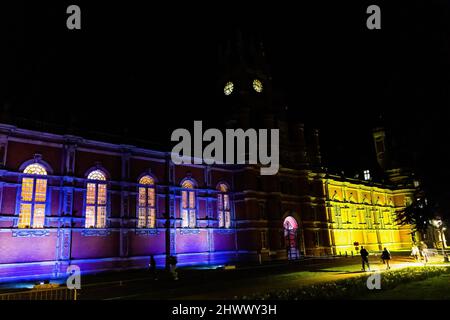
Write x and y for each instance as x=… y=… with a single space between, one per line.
x=139 y=71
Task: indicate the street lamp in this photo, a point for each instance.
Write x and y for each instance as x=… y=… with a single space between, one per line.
x=437 y=223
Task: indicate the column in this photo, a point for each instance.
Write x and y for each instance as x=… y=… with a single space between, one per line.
x=124 y=202
x=170 y=212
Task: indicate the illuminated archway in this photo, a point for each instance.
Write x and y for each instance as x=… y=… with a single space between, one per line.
x=290 y=223
x=290 y=226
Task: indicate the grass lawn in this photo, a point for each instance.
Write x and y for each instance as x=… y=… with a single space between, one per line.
x=435 y=288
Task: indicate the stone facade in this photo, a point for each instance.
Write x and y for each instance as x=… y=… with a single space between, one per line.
x=326 y=214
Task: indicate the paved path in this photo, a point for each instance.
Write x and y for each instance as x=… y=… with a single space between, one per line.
x=320 y=273
x=220 y=284
x=227 y=284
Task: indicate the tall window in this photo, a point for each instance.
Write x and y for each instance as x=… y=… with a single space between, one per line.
x=369 y=218
x=96 y=200
x=317 y=238
x=381 y=217
x=223 y=207
x=263 y=239
x=146 y=203
x=33 y=197
x=188 y=205
x=338 y=217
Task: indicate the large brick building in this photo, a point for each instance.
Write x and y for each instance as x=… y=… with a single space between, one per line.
x=69 y=200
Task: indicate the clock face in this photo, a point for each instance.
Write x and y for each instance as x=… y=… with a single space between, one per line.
x=228 y=89
x=257 y=85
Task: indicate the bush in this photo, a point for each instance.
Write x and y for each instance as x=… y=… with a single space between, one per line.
x=353 y=287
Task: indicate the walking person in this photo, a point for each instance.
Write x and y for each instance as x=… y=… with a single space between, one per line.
x=173 y=266
x=364 y=258
x=424 y=252
x=152 y=267
x=386 y=256
x=415 y=253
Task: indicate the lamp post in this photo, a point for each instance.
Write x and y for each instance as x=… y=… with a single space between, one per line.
x=437 y=223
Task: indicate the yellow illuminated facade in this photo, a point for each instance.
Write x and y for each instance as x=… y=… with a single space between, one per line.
x=366 y=214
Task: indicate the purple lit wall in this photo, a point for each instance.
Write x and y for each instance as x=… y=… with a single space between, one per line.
x=43 y=253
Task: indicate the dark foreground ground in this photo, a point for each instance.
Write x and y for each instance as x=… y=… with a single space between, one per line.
x=201 y=284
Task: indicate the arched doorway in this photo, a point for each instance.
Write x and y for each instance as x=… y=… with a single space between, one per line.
x=291 y=237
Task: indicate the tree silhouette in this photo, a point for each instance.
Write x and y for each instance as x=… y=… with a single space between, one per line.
x=427 y=204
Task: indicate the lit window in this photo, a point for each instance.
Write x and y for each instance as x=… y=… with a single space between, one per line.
x=257 y=85
x=228 y=89
x=35 y=169
x=97 y=175
x=366 y=175
x=96 y=196
x=33 y=197
x=188 y=205
x=338 y=214
x=381 y=218
x=146 y=203
x=369 y=218
x=223 y=207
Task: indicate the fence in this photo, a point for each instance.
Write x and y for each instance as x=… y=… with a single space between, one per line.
x=42 y=294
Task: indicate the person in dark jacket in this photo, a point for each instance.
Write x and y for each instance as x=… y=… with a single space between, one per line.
x=173 y=267
x=386 y=256
x=152 y=267
x=364 y=258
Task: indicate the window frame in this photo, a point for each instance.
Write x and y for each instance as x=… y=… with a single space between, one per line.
x=223 y=212
x=190 y=211
x=148 y=207
x=32 y=203
x=96 y=204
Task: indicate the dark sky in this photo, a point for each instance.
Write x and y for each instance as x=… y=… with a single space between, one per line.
x=153 y=67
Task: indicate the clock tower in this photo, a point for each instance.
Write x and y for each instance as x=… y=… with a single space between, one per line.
x=245 y=84
x=248 y=99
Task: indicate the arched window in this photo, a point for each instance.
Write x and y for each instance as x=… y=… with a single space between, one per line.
x=188 y=205
x=223 y=206
x=146 y=203
x=96 y=200
x=33 y=197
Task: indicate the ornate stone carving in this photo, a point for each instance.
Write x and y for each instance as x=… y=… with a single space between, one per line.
x=225 y=231
x=95 y=233
x=189 y=231
x=30 y=233
x=147 y=232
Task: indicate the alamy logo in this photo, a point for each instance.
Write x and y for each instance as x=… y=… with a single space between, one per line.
x=74 y=279
x=374 y=281
x=74 y=20
x=374 y=20
x=241 y=147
